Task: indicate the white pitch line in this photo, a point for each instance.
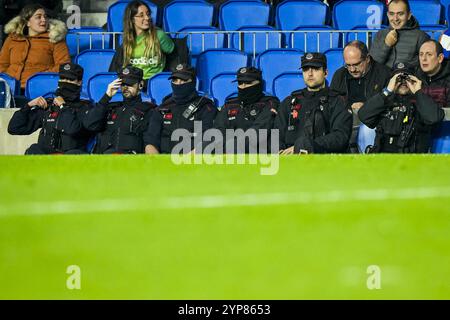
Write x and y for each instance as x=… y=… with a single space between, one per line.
x=217 y=201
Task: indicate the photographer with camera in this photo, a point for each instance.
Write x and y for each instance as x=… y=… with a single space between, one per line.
x=61 y=118
x=402 y=114
x=121 y=125
x=179 y=111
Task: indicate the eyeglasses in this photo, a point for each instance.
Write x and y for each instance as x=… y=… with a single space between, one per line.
x=143 y=15
x=356 y=65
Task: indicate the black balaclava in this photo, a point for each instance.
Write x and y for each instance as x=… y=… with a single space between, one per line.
x=183 y=93
x=70 y=92
x=251 y=94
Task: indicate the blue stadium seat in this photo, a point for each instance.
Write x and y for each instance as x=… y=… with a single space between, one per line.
x=237 y=14
x=335 y=60
x=441 y=139
x=222 y=86
x=184 y=14
x=363 y=35
x=430 y=15
x=274 y=62
x=13 y=83
x=42 y=84
x=315 y=41
x=93 y=62
x=287 y=82
x=291 y=15
x=214 y=61
x=427 y=12
x=98 y=84
x=256 y=42
x=366 y=137
x=116 y=12
x=159 y=87
x=349 y=14
x=79 y=42
x=198 y=42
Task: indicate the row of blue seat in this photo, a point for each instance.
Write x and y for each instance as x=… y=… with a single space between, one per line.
x=289 y=14
x=212 y=62
x=187 y=16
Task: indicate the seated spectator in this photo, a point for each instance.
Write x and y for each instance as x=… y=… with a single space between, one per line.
x=402 y=114
x=179 y=111
x=144 y=45
x=250 y=110
x=121 y=124
x=435 y=73
x=314 y=119
x=401 y=42
x=35 y=44
x=61 y=118
x=359 y=79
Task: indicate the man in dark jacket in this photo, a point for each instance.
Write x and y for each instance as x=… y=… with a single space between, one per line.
x=250 y=110
x=435 y=73
x=121 y=124
x=181 y=110
x=61 y=118
x=359 y=79
x=314 y=119
x=402 y=114
x=401 y=42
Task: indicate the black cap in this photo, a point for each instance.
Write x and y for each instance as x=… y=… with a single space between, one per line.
x=403 y=67
x=314 y=59
x=131 y=75
x=71 y=71
x=248 y=74
x=183 y=72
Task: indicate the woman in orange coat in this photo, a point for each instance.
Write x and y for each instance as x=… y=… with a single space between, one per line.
x=34 y=44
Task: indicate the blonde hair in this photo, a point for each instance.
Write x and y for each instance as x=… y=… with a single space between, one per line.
x=152 y=45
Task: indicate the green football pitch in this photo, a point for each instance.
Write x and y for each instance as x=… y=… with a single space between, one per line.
x=141 y=227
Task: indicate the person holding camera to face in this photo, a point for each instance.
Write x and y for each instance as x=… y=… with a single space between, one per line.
x=402 y=114
x=120 y=125
x=61 y=118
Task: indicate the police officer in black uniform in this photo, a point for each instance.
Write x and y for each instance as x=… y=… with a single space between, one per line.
x=402 y=114
x=61 y=118
x=314 y=119
x=121 y=124
x=250 y=110
x=179 y=110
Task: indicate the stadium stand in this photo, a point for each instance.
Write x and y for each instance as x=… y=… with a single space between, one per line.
x=254 y=42
x=319 y=41
x=185 y=14
x=159 y=87
x=98 y=84
x=291 y=15
x=274 y=62
x=198 y=42
x=77 y=41
x=42 y=84
x=287 y=82
x=215 y=61
x=117 y=10
x=93 y=62
x=222 y=87
x=430 y=16
x=335 y=60
x=13 y=83
x=237 y=14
